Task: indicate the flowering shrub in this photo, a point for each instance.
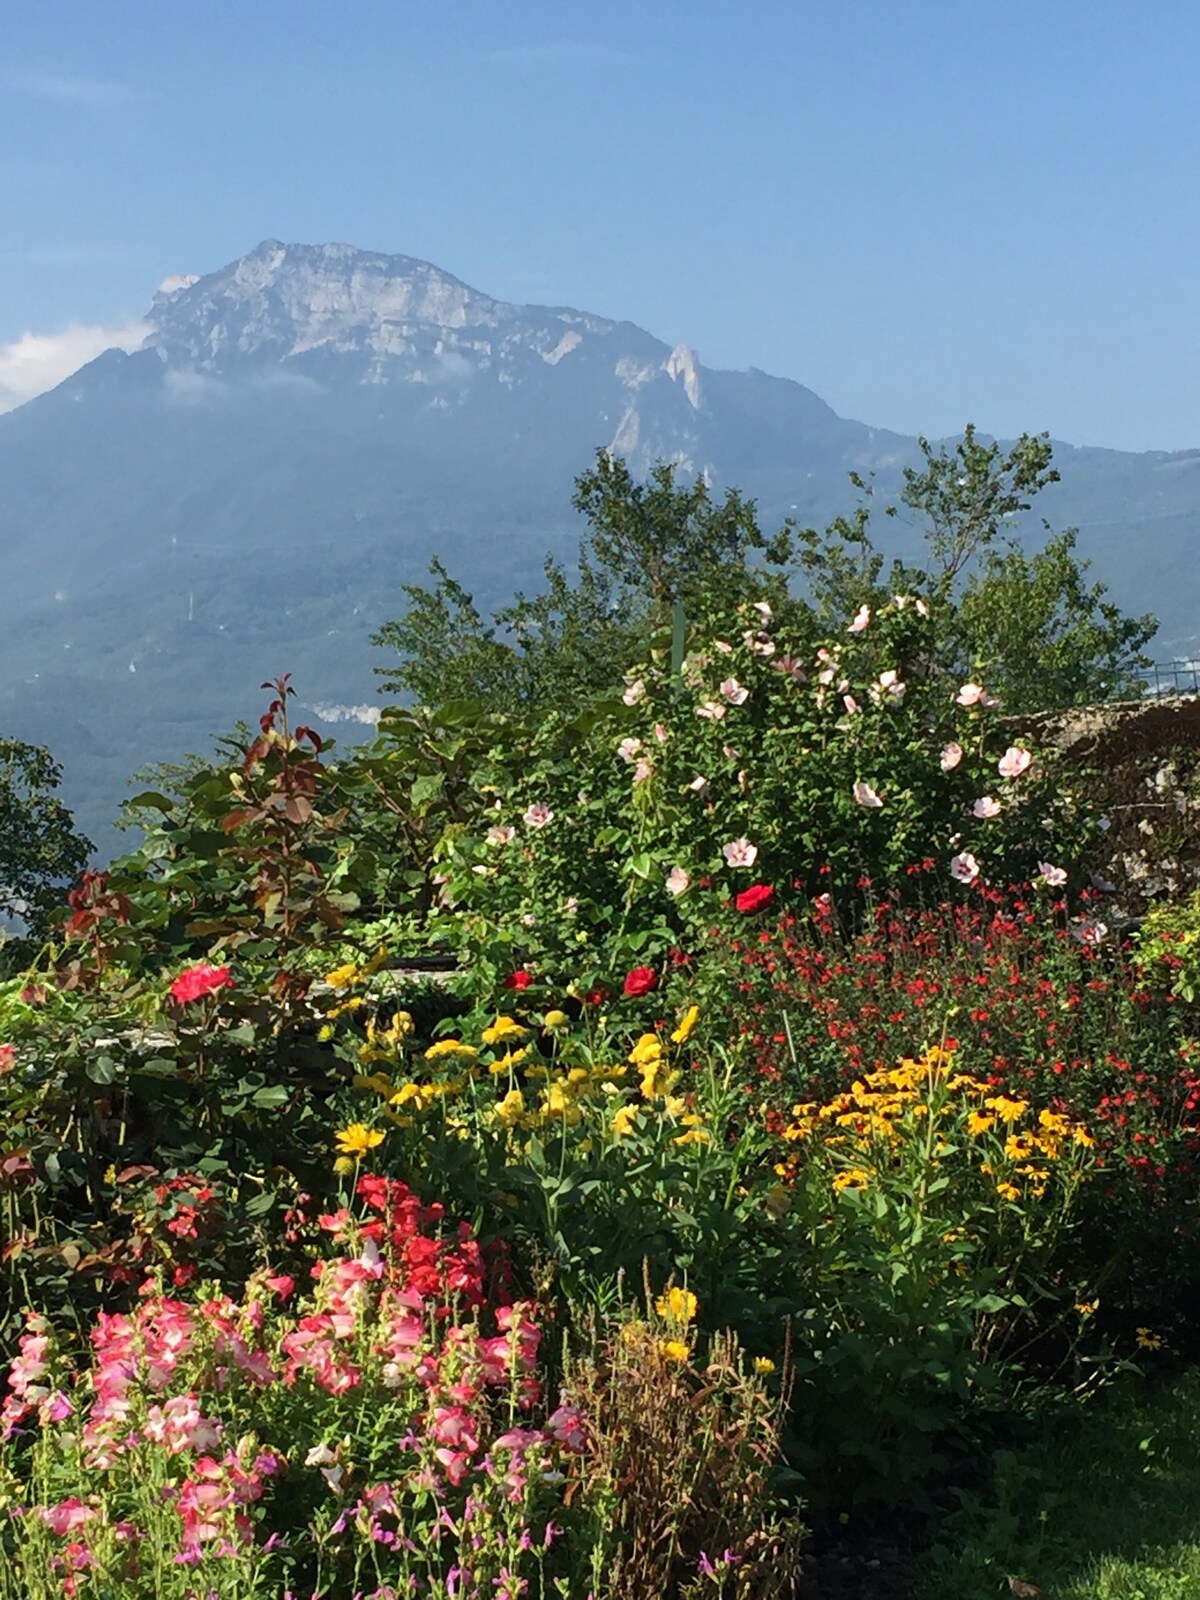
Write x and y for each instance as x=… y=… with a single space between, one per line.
x=772 y=754
x=373 y=1433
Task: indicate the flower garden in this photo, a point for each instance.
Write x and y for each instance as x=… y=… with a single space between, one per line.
x=786 y=1121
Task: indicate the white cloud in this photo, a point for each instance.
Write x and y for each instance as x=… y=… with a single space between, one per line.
x=65 y=88
x=38 y=361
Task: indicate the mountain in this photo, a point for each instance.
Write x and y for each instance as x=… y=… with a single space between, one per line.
x=303 y=429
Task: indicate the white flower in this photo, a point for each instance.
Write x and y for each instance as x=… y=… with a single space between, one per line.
x=725 y=649
x=922 y=608
x=759 y=644
x=864 y=795
x=734 y=692
x=628 y=749
x=711 y=710
x=643 y=769
x=528 y=920
x=571 y=905
x=740 y=853
x=952 y=754
x=677 y=881
x=971 y=694
x=539 y=815
x=985 y=807
x=964 y=867
x=861 y=621
x=320 y=1456
x=1089 y=930
x=634 y=692
x=827 y=675
x=889 y=687
x=791 y=666
x=764 y=611
x=698 y=784
x=481 y=871
x=851 y=704
x=1053 y=877
x=502 y=833
x=1014 y=761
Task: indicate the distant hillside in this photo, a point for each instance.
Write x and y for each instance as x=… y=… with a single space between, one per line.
x=304 y=428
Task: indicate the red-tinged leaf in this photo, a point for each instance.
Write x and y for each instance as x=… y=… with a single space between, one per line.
x=128 y=1174
x=298 y=809
x=234 y=820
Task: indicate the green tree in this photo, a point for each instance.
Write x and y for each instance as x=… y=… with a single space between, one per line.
x=40 y=851
x=647 y=546
x=1027 y=621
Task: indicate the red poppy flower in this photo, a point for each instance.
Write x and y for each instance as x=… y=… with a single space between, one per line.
x=196 y=982
x=518 y=980
x=640 y=981
x=755 y=897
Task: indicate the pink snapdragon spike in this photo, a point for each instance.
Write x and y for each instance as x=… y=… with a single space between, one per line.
x=395 y=1318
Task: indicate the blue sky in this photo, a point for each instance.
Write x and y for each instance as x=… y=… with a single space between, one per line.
x=929 y=213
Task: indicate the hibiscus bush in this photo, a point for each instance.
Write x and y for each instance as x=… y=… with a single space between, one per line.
x=771 y=762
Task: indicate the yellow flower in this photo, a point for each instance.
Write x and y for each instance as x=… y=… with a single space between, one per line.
x=1007 y=1110
x=646 y=1051
x=511 y=1109
x=1008 y=1191
x=694 y=1134
x=343 y=1166
x=357 y=1139
x=343 y=977
x=852 y=1178
x=686 y=1024
x=509 y=1060
x=354 y=1003
x=1087 y=1308
x=677 y=1305
x=979 y=1122
x=556 y=1019
x=1054 y=1121
x=673 y=1350
x=625 y=1121
x=1084 y=1138
x=502 y=1030
x=1147 y=1340
x=763 y=1365
x=379 y=1081
x=1018 y=1146
x=455 y=1049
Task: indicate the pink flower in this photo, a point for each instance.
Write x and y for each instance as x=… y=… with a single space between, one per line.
x=67 y=1516
x=643 y=769
x=710 y=710
x=660 y=733
x=568 y=1427
x=501 y=834
x=634 y=692
x=538 y=815
x=734 y=692
x=964 y=867
x=789 y=665
x=740 y=853
x=1052 y=877
x=759 y=644
x=1014 y=761
x=889 y=687
x=677 y=881
x=861 y=621
x=628 y=749
x=985 y=807
x=952 y=754
x=723 y=647
x=971 y=694
x=851 y=704
x=1089 y=930
x=698 y=784
x=196 y=982
x=864 y=795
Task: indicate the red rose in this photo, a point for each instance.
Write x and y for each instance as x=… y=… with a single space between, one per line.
x=640 y=981
x=196 y=982
x=518 y=980
x=594 y=997
x=755 y=897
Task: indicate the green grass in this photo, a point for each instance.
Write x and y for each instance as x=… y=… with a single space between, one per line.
x=1106 y=1507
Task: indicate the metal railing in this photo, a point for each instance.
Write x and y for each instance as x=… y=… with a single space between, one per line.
x=1165 y=679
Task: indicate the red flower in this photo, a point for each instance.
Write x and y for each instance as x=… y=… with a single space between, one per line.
x=640 y=981
x=198 y=981
x=594 y=997
x=755 y=897
x=518 y=980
